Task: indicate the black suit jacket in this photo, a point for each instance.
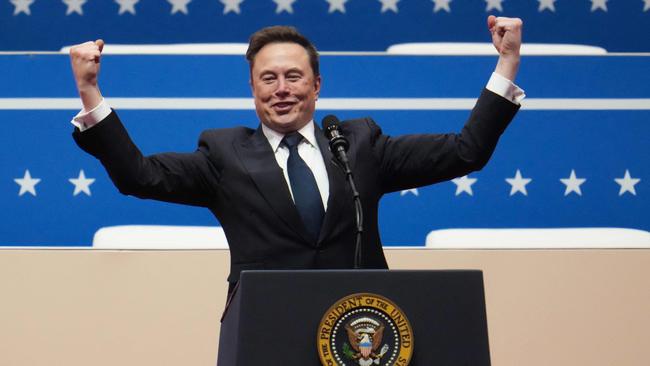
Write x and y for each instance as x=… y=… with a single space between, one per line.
x=234 y=174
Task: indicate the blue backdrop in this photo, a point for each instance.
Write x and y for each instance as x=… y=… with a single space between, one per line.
x=595 y=125
x=334 y=25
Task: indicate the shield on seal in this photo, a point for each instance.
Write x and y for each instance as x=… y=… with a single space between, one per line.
x=365 y=347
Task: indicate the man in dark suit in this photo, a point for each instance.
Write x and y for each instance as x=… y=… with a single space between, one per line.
x=281 y=199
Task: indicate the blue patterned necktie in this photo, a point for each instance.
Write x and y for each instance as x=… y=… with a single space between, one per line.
x=303 y=186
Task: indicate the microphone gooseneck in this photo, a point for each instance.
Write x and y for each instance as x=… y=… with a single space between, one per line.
x=339 y=146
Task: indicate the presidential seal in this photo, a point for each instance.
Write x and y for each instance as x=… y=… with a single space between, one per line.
x=367 y=330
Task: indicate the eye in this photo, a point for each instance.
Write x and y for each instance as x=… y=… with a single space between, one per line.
x=268 y=78
x=293 y=77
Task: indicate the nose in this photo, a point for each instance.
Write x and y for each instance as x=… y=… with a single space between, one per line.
x=283 y=88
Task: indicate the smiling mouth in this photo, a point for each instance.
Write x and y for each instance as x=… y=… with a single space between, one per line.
x=283 y=106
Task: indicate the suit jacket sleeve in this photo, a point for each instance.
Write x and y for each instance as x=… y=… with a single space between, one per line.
x=410 y=161
x=187 y=178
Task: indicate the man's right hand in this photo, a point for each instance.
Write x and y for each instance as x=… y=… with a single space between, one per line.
x=85 y=59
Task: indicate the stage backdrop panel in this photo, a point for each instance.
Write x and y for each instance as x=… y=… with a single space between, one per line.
x=575 y=156
x=334 y=25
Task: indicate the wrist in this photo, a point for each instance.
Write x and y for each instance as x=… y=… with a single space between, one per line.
x=90 y=96
x=508 y=66
x=86 y=85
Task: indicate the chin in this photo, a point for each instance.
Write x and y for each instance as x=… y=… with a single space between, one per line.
x=287 y=123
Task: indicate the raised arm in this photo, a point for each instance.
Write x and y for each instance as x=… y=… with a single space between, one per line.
x=187 y=178
x=416 y=160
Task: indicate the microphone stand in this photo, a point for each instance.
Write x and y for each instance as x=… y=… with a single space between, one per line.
x=342 y=157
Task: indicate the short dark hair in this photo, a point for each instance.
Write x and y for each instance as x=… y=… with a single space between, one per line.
x=281 y=34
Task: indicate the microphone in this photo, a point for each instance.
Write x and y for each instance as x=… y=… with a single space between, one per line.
x=339 y=145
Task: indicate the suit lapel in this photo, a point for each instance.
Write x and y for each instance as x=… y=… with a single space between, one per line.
x=259 y=160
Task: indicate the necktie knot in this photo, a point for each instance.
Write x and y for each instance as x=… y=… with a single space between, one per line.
x=292 y=139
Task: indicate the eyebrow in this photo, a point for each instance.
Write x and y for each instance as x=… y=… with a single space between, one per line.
x=292 y=69
x=295 y=69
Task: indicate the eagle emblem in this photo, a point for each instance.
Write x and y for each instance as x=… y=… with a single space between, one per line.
x=364 y=336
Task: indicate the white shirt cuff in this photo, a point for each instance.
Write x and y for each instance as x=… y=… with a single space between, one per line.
x=87 y=119
x=505 y=88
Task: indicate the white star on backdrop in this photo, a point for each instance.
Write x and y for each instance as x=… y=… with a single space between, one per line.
x=126 y=6
x=179 y=5
x=464 y=184
x=573 y=184
x=74 y=6
x=627 y=183
x=413 y=191
x=391 y=5
x=441 y=5
x=284 y=5
x=22 y=6
x=598 y=4
x=27 y=184
x=337 y=5
x=646 y=5
x=231 y=5
x=494 y=4
x=546 y=4
x=518 y=184
x=81 y=183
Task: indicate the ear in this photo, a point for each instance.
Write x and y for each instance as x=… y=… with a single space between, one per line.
x=317 y=85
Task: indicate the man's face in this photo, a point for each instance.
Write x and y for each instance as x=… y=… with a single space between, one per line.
x=284 y=86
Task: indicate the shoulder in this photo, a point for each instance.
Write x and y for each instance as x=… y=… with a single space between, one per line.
x=359 y=125
x=362 y=129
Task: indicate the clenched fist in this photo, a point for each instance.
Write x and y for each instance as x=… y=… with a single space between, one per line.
x=506 y=37
x=85 y=59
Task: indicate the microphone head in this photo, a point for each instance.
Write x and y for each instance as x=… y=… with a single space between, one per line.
x=331 y=127
x=330 y=123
